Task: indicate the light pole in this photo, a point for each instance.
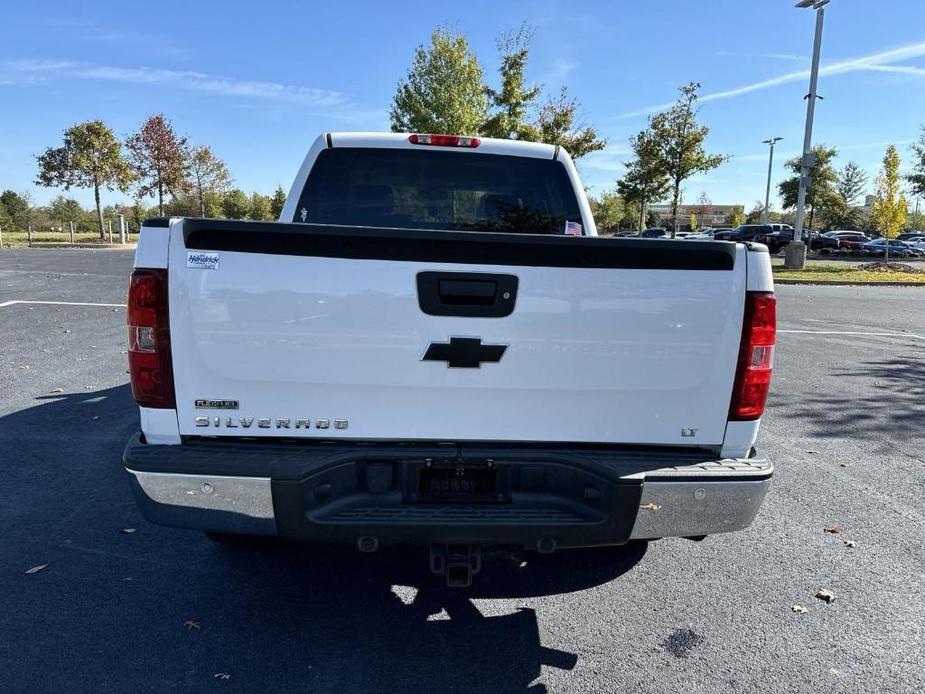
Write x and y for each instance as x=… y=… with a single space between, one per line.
x=767 y=193
x=795 y=257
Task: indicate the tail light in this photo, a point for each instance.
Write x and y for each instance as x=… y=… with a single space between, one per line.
x=756 y=357
x=445 y=140
x=149 y=339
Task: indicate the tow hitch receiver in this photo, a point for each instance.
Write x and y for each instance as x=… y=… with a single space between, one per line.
x=457 y=562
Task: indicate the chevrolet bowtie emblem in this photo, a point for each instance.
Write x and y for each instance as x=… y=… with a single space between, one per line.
x=463 y=352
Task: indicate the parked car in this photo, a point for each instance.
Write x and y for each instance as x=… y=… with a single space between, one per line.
x=849 y=240
x=898 y=248
x=745 y=232
x=705 y=235
x=653 y=233
x=443 y=394
x=917 y=242
x=906 y=235
x=777 y=240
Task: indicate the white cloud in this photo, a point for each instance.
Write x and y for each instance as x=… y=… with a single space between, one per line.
x=875 y=62
x=609 y=159
x=33 y=70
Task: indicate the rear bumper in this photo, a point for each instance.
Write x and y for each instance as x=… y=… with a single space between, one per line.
x=539 y=497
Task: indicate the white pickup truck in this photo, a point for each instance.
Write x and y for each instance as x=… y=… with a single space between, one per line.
x=432 y=346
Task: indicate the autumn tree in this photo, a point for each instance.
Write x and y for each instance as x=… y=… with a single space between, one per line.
x=208 y=175
x=90 y=157
x=160 y=159
x=736 y=216
x=888 y=211
x=645 y=180
x=443 y=91
x=558 y=123
x=703 y=207
x=821 y=193
x=680 y=144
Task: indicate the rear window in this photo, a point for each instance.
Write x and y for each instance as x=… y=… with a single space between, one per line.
x=439 y=190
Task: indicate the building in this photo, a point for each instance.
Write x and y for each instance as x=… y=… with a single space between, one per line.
x=707 y=215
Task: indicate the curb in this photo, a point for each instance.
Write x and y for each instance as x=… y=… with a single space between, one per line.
x=819 y=283
x=103 y=246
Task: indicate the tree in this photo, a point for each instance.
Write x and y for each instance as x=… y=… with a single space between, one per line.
x=755 y=214
x=821 y=193
x=558 y=124
x=65 y=210
x=236 y=204
x=208 y=175
x=736 y=216
x=160 y=159
x=680 y=139
x=90 y=157
x=703 y=207
x=692 y=221
x=888 y=211
x=443 y=91
x=261 y=208
x=608 y=210
x=513 y=101
x=16 y=208
x=851 y=184
x=645 y=180
x=917 y=178
x=277 y=202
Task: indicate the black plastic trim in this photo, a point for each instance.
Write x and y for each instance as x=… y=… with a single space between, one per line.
x=497 y=303
x=162 y=222
x=464 y=247
x=327 y=138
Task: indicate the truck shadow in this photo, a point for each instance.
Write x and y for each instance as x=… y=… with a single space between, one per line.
x=894 y=407
x=272 y=616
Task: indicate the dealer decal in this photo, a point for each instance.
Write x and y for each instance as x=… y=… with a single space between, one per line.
x=202 y=260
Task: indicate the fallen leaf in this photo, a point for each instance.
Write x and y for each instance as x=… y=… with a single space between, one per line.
x=850 y=543
x=57 y=390
x=826 y=595
x=36 y=569
x=799 y=609
x=833 y=529
x=127 y=531
x=651 y=506
x=843 y=465
x=191 y=624
x=222 y=676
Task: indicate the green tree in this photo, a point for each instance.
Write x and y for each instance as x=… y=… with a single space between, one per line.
x=755 y=214
x=208 y=175
x=736 y=216
x=261 y=207
x=821 y=193
x=16 y=207
x=608 y=210
x=645 y=180
x=90 y=157
x=160 y=159
x=236 y=204
x=917 y=178
x=680 y=139
x=513 y=101
x=558 y=124
x=62 y=210
x=443 y=91
x=277 y=202
x=888 y=211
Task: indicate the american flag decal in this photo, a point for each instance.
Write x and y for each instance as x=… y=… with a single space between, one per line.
x=574 y=229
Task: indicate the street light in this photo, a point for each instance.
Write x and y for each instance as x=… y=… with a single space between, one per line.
x=767 y=193
x=795 y=257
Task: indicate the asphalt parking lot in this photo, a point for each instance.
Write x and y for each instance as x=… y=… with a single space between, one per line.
x=159 y=609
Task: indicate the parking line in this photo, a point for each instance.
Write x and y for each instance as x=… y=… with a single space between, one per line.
x=853 y=332
x=60 y=303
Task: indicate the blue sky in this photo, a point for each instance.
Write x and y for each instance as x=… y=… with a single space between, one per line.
x=258 y=81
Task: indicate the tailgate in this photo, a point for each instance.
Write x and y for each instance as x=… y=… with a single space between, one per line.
x=305 y=331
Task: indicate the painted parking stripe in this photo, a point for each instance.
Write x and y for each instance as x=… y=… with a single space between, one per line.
x=852 y=332
x=60 y=303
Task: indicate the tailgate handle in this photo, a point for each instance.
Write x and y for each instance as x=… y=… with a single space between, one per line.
x=467 y=294
x=479 y=292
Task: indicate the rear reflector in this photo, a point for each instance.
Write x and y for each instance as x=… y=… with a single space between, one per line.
x=149 y=339
x=756 y=357
x=444 y=140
